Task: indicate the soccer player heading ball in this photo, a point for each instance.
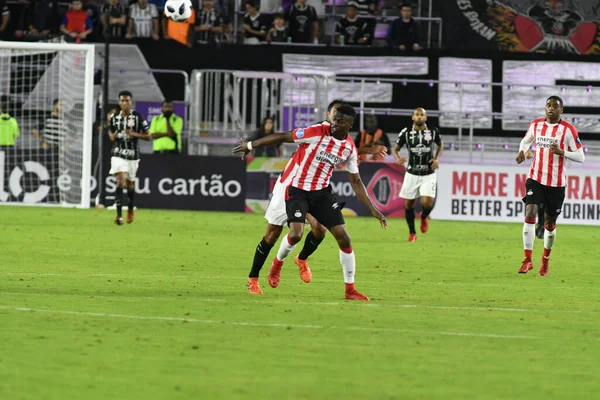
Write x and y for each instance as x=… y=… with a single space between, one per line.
x=322 y=148
x=555 y=141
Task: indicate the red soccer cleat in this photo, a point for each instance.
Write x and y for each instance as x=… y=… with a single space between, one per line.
x=544 y=267
x=412 y=237
x=525 y=266
x=129 y=215
x=253 y=286
x=275 y=273
x=424 y=225
x=305 y=273
x=354 y=295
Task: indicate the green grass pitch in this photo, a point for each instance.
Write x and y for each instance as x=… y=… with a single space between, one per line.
x=159 y=310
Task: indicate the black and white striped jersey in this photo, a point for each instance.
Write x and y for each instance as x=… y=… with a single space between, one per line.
x=143 y=19
x=54 y=130
x=420 y=148
x=126 y=146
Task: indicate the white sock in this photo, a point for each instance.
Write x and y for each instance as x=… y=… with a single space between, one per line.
x=348 y=265
x=285 y=248
x=528 y=235
x=549 y=237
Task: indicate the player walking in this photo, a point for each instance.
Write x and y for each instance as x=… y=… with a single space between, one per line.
x=323 y=147
x=555 y=141
x=420 y=178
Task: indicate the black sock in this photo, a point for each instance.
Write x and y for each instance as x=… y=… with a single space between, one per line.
x=119 y=201
x=310 y=245
x=425 y=213
x=260 y=256
x=131 y=195
x=409 y=214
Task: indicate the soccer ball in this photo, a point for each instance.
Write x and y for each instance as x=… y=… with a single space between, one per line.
x=178 y=10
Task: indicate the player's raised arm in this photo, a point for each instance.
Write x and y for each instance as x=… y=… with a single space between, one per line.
x=526 y=143
x=274 y=139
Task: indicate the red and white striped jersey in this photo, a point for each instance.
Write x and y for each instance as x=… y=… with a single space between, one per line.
x=548 y=168
x=318 y=155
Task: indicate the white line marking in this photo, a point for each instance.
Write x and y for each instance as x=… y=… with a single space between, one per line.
x=269 y=325
x=311 y=303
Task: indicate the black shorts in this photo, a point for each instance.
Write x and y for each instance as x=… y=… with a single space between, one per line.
x=321 y=204
x=551 y=197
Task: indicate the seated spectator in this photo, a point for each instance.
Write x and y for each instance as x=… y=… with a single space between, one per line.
x=143 y=21
x=255 y=24
x=351 y=29
x=114 y=18
x=403 y=33
x=76 y=23
x=302 y=22
x=267 y=128
x=9 y=128
x=367 y=10
x=370 y=136
x=279 y=32
x=209 y=23
x=182 y=32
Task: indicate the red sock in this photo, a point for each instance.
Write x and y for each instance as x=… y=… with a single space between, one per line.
x=547 y=252
x=528 y=254
x=350 y=287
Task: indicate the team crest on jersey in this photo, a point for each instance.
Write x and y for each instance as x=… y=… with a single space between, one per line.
x=427 y=135
x=346 y=153
x=131 y=122
x=300 y=133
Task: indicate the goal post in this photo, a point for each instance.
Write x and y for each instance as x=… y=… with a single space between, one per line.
x=46 y=123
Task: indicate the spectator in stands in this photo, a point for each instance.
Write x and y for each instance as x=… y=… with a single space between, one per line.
x=370 y=136
x=182 y=32
x=52 y=131
x=351 y=29
x=76 y=23
x=143 y=21
x=302 y=22
x=403 y=33
x=279 y=32
x=5 y=17
x=367 y=10
x=166 y=129
x=209 y=23
x=39 y=19
x=114 y=18
x=9 y=128
x=93 y=11
x=267 y=128
x=255 y=24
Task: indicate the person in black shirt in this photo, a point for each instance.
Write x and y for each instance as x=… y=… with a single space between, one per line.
x=209 y=23
x=114 y=18
x=255 y=24
x=403 y=33
x=351 y=28
x=420 y=178
x=302 y=21
x=279 y=32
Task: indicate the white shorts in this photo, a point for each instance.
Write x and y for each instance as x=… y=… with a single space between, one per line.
x=418 y=186
x=276 y=213
x=118 y=164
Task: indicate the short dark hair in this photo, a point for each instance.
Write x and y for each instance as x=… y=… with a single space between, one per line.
x=407 y=5
x=167 y=101
x=279 y=15
x=125 y=93
x=347 y=111
x=558 y=99
x=333 y=103
x=55 y=102
x=251 y=3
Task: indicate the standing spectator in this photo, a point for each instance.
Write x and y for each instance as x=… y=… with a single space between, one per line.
x=181 y=32
x=9 y=128
x=351 y=29
x=53 y=130
x=267 y=128
x=255 y=24
x=143 y=19
x=165 y=130
x=76 y=23
x=209 y=24
x=367 y=10
x=303 y=23
x=371 y=136
x=403 y=33
x=114 y=18
x=93 y=11
x=5 y=17
x=279 y=32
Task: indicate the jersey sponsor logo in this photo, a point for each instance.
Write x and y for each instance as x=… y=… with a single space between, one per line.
x=329 y=158
x=300 y=133
x=420 y=149
x=544 y=141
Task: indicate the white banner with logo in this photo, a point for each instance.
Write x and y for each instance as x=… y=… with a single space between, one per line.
x=494 y=193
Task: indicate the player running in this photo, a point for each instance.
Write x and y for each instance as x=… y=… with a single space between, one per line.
x=555 y=141
x=420 y=178
x=323 y=147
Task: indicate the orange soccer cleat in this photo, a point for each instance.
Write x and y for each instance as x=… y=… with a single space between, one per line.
x=275 y=273
x=354 y=295
x=544 y=267
x=305 y=273
x=253 y=286
x=129 y=215
x=424 y=224
x=525 y=266
x=412 y=237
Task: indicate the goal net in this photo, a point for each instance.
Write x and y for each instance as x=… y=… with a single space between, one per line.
x=46 y=96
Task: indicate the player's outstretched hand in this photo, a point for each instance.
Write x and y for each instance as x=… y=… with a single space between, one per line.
x=378 y=149
x=520 y=157
x=242 y=147
x=434 y=163
x=556 y=150
x=377 y=214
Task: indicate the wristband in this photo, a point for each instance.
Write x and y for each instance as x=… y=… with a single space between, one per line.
x=249 y=145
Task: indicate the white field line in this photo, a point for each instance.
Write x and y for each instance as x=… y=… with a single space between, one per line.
x=267 y=325
x=310 y=303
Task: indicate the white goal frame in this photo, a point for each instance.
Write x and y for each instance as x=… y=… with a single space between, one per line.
x=88 y=111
